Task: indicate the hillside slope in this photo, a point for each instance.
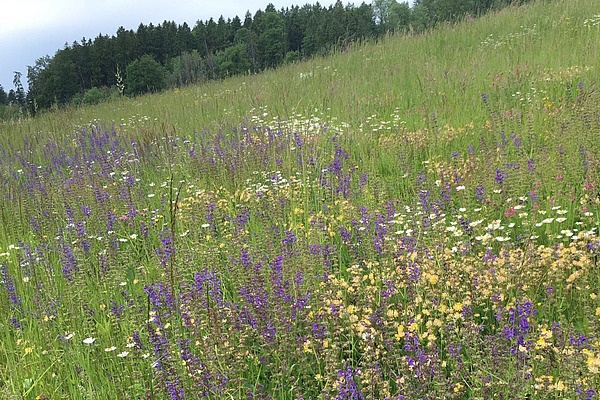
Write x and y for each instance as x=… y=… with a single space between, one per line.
x=444 y=72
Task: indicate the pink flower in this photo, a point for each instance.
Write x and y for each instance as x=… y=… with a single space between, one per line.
x=123 y=218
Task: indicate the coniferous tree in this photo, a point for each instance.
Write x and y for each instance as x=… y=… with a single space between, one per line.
x=3 y=96
x=11 y=97
x=19 y=90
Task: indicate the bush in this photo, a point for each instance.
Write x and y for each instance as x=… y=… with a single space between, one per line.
x=12 y=112
x=292 y=57
x=93 y=96
x=144 y=75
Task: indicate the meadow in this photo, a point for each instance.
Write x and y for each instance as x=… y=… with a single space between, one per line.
x=415 y=218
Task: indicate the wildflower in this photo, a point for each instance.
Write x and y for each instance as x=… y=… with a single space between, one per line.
x=123 y=354
x=89 y=340
x=306 y=346
x=109 y=349
x=593 y=363
x=400 y=333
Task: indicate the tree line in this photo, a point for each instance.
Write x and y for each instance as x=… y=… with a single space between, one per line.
x=154 y=57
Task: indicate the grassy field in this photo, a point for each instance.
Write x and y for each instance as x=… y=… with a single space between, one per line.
x=410 y=219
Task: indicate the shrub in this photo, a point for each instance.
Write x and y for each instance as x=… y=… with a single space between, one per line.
x=144 y=75
x=93 y=96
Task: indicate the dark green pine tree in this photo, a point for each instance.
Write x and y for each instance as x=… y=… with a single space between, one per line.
x=3 y=96
x=19 y=90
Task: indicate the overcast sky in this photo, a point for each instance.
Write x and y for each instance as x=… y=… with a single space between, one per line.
x=30 y=29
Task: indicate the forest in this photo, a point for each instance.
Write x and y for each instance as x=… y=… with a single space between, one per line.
x=168 y=55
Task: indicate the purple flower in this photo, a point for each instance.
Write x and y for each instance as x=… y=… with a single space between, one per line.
x=346 y=384
x=499 y=179
x=480 y=193
x=289 y=238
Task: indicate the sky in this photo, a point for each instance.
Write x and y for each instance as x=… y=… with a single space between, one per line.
x=31 y=29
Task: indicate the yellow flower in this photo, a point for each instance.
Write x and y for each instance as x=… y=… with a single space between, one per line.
x=593 y=363
x=457 y=387
x=400 y=333
x=307 y=346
